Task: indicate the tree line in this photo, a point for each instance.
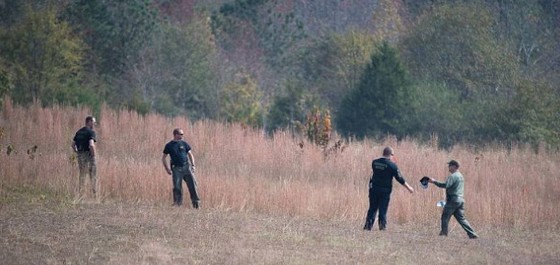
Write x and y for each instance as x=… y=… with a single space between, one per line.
x=465 y=71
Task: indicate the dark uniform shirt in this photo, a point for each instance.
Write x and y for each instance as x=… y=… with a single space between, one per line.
x=82 y=138
x=383 y=172
x=177 y=150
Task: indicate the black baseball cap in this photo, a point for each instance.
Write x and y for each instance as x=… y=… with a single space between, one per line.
x=453 y=163
x=424 y=182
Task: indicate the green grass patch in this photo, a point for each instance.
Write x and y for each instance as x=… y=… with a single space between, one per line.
x=32 y=194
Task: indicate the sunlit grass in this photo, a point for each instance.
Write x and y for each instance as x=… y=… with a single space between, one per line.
x=243 y=170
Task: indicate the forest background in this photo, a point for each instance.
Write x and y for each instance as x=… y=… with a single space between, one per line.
x=475 y=72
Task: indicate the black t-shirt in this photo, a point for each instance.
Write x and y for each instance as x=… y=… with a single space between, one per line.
x=177 y=150
x=82 y=138
x=383 y=172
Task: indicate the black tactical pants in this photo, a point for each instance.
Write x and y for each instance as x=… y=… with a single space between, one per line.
x=378 y=201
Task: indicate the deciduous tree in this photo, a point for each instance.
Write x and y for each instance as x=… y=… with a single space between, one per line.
x=241 y=101
x=42 y=57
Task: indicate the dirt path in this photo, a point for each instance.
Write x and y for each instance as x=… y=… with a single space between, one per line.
x=117 y=233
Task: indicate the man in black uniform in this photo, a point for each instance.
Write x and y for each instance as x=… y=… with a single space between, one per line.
x=380 y=187
x=84 y=146
x=180 y=169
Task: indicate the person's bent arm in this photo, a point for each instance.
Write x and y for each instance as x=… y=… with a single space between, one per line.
x=164 y=161
x=74 y=146
x=191 y=158
x=92 y=148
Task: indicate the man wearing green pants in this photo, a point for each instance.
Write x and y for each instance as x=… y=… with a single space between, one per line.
x=454 y=189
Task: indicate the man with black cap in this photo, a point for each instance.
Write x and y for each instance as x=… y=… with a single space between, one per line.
x=380 y=187
x=454 y=190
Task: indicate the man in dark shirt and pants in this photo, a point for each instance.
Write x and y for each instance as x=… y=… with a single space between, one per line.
x=180 y=169
x=84 y=146
x=380 y=187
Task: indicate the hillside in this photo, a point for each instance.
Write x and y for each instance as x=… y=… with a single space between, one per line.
x=377 y=67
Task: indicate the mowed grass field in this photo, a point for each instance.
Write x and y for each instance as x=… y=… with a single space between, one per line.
x=265 y=200
x=37 y=227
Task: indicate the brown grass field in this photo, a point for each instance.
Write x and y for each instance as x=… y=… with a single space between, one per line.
x=265 y=200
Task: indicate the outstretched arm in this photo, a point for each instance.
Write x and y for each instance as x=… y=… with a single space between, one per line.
x=399 y=177
x=437 y=183
x=408 y=187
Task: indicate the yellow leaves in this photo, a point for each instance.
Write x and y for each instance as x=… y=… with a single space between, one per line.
x=318 y=127
x=240 y=101
x=10 y=149
x=31 y=152
x=73 y=159
x=41 y=36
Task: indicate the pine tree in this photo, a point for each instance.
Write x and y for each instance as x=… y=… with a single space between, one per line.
x=379 y=103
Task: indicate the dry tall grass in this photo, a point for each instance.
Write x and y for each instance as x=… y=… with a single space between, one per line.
x=243 y=170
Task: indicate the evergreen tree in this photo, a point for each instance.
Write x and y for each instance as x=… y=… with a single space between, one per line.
x=379 y=103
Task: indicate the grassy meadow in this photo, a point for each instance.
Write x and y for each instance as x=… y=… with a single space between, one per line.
x=243 y=170
x=263 y=185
